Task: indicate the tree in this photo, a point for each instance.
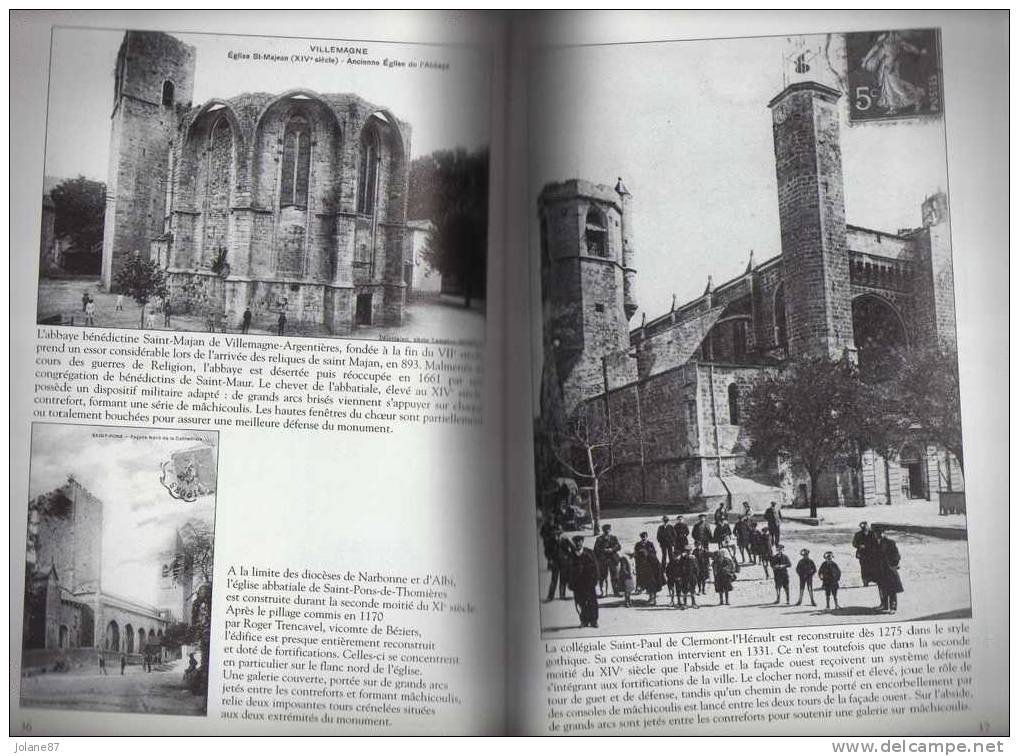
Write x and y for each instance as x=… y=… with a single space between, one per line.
x=191 y=567
x=142 y=279
x=582 y=447
x=925 y=388
x=79 y=206
x=450 y=188
x=817 y=412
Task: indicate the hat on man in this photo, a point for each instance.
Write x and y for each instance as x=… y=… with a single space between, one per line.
x=804 y=552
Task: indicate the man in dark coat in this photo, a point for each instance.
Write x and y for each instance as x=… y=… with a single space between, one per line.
x=774 y=518
x=865 y=543
x=780 y=565
x=805 y=571
x=606 y=551
x=584 y=582
x=761 y=541
x=686 y=576
x=888 y=581
x=743 y=539
x=649 y=569
x=725 y=574
x=550 y=535
x=682 y=535
x=703 y=557
x=701 y=531
x=830 y=575
x=666 y=537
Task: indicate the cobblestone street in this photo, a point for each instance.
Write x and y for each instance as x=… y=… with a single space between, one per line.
x=159 y=692
x=432 y=319
x=934 y=571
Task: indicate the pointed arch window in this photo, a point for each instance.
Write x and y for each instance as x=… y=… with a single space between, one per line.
x=296 y=167
x=781 y=331
x=367 y=184
x=733 y=404
x=168 y=94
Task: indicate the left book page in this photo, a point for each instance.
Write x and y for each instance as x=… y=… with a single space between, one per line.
x=255 y=387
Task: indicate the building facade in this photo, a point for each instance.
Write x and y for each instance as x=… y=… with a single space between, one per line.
x=291 y=203
x=682 y=379
x=66 y=607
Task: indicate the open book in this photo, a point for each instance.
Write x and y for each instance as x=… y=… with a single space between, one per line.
x=576 y=373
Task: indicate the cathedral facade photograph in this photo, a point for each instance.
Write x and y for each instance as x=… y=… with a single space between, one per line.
x=118 y=569
x=807 y=375
x=254 y=211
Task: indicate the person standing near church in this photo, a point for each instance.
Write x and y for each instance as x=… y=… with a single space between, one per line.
x=889 y=582
x=725 y=574
x=666 y=537
x=830 y=575
x=805 y=571
x=682 y=535
x=687 y=573
x=743 y=532
x=703 y=558
x=606 y=551
x=867 y=554
x=774 y=518
x=550 y=534
x=584 y=580
x=701 y=532
x=780 y=565
x=763 y=548
x=246 y=320
x=282 y=322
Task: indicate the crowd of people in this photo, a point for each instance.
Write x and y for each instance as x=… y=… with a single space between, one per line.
x=689 y=559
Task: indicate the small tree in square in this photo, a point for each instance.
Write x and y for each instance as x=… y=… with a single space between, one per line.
x=142 y=279
x=583 y=447
x=816 y=412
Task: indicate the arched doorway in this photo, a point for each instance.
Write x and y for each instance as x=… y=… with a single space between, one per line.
x=141 y=639
x=129 y=638
x=878 y=334
x=112 y=640
x=913 y=461
x=64 y=637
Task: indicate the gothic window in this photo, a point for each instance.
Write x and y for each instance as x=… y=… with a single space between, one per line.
x=596 y=235
x=733 y=404
x=296 y=163
x=367 y=184
x=167 y=93
x=781 y=333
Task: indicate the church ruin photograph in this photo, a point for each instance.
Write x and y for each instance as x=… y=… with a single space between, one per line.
x=748 y=336
x=118 y=569
x=226 y=205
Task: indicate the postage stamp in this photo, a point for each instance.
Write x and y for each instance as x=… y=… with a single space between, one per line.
x=894 y=74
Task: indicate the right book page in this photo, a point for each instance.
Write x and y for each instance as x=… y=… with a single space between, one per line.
x=764 y=263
